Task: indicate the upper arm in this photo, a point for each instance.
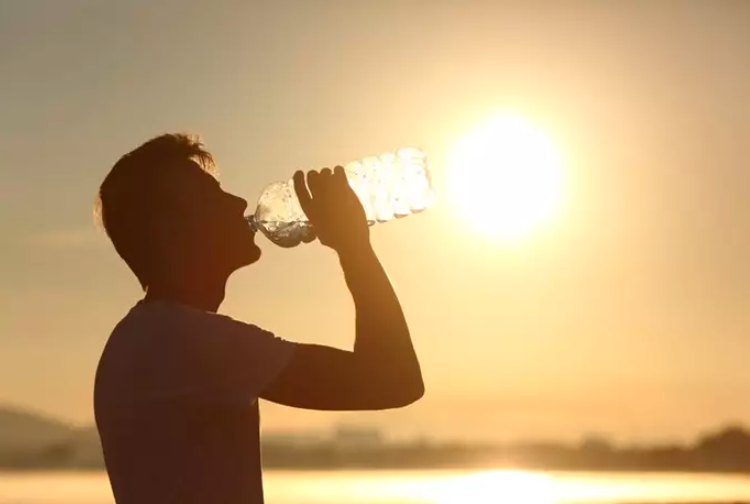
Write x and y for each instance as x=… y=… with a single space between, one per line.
x=210 y=358
x=326 y=378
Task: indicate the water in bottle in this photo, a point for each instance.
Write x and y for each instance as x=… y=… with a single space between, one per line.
x=391 y=185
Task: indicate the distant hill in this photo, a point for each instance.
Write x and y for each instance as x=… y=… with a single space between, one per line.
x=30 y=440
x=29 y=430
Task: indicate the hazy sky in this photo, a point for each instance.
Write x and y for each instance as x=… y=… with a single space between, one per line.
x=630 y=316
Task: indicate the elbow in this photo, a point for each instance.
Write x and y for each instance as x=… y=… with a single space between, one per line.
x=407 y=395
x=416 y=394
x=394 y=388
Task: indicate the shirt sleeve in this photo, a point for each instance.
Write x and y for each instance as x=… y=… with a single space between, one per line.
x=214 y=358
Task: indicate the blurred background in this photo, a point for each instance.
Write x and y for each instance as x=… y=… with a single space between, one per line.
x=577 y=293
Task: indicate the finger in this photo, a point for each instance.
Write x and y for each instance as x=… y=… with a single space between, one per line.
x=326 y=172
x=313 y=182
x=303 y=195
x=340 y=175
x=325 y=182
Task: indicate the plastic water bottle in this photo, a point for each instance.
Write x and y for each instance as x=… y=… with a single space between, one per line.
x=391 y=185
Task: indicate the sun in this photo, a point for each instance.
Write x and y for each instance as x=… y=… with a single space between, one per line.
x=506 y=178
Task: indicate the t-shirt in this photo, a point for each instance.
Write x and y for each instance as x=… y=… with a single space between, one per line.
x=176 y=404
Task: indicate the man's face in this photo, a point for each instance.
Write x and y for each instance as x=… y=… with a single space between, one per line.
x=210 y=229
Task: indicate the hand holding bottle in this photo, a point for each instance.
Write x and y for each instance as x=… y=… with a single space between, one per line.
x=335 y=212
x=392 y=185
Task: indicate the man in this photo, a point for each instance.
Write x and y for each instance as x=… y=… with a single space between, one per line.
x=177 y=387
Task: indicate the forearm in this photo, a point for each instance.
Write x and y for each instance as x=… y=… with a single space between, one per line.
x=382 y=338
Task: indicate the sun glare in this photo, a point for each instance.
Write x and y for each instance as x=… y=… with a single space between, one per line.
x=495 y=487
x=506 y=178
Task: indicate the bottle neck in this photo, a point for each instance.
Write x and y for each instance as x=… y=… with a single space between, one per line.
x=251 y=222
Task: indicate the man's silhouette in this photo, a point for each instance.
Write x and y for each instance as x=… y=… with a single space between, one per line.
x=177 y=387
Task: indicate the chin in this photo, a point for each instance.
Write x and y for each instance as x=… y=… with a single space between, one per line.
x=240 y=261
x=251 y=256
x=256 y=255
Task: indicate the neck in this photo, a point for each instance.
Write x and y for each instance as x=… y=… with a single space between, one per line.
x=205 y=294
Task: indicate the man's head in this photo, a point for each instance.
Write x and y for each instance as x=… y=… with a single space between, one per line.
x=168 y=217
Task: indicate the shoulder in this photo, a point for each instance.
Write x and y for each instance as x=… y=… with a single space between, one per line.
x=163 y=331
x=167 y=320
x=165 y=351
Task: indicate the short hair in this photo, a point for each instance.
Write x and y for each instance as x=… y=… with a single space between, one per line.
x=130 y=194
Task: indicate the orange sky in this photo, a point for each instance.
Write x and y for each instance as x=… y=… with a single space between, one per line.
x=627 y=317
